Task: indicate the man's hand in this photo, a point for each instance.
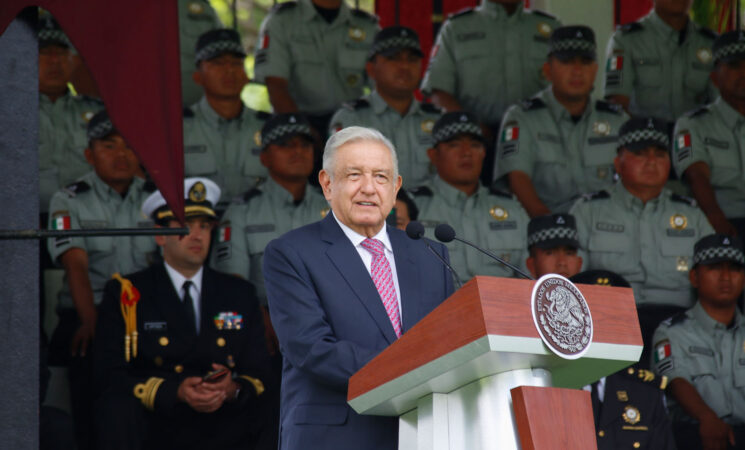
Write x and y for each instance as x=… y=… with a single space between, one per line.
x=715 y=433
x=192 y=392
x=83 y=336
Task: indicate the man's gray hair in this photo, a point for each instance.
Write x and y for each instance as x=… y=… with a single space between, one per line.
x=354 y=134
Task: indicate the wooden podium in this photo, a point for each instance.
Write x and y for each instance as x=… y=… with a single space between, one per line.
x=449 y=378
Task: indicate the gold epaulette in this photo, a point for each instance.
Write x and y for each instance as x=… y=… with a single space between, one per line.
x=146 y=391
x=257 y=384
x=647 y=376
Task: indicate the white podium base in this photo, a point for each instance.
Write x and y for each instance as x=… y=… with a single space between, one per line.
x=477 y=416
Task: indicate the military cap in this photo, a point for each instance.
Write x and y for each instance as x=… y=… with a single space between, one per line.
x=571 y=41
x=393 y=39
x=200 y=195
x=49 y=33
x=716 y=248
x=553 y=230
x=641 y=132
x=100 y=126
x=600 y=278
x=729 y=47
x=217 y=42
x=281 y=127
x=453 y=124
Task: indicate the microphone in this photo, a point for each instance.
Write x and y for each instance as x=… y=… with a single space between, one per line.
x=446 y=233
x=415 y=231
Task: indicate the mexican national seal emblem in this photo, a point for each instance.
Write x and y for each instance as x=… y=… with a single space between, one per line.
x=561 y=315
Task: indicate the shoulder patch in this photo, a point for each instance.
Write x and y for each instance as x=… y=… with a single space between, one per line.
x=602 y=105
x=284 y=6
x=360 y=103
x=461 y=13
x=590 y=196
x=631 y=27
x=263 y=115
x=683 y=199
x=188 y=112
x=149 y=186
x=365 y=15
x=251 y=194
x=77 y=188
x=532 y=103
x=646 y=376
x=711 y=34
x=421 y=191
x=499 y=192
x=430 y=108
x=538 y=12
x=698 y=112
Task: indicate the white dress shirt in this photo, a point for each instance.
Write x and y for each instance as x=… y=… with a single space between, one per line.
x=178 y=281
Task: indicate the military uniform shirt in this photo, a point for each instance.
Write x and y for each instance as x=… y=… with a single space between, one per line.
x=410 y=134
x=62 y=142
x=715 y=135
x=564 y=159
x=662 y=77
x=88 y=204
x=488 y=60
x=248 y=225
x=707 y=354
x=650 y=245
x=195 y=17
x=226 y=151
x=323 y=63
x=495 y=222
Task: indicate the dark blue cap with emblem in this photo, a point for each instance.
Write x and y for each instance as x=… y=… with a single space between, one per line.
x=100 y=126
x=453 y=124
x=729 y=47
x=391 y=40
x=572 y=41
x=216 y=43
x=716 y=248
x=49 y=32
x=553 y=230
x=281 y=127
x=640 y=133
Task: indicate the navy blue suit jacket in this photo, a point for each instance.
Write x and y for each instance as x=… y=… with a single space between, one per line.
x=330 y=322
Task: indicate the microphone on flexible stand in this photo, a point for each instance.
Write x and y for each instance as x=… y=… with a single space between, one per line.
x=446 y=233
x=415 y=231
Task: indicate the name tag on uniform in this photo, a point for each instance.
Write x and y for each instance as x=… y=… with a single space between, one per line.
x=716 y=143
x=261 y=228
x=701 y=350
x=195 y=149
x=688 y=232
x=93 y=224
x=145 y=224
x=156 y=326
x=504 y=225
x=429 y=223
x=549 y=137
x=473 y=36
x=611 y=227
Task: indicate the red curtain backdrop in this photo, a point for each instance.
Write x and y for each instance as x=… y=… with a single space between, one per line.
x=628 y=11
x=131 y=48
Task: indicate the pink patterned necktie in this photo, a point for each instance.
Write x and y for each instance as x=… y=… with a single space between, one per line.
x=382 y=277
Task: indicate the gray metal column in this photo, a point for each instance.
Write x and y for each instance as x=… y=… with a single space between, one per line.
x=19 y=209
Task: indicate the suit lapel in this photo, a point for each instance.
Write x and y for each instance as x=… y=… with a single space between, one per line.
x=170 y=305
x=347 y=261
x=408 y=277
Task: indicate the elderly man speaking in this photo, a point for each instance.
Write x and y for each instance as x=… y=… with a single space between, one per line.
x=341 y=290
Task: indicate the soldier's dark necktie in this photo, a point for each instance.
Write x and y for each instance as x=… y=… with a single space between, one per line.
x=189 y=305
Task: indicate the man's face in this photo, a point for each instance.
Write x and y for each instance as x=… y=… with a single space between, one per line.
x=571 y=78
x=402 y=215
x=55 y=69
x=730 y=79
x=363 y=189
x=562 y=260
x=396 y=75
x=648 y=168
x=673 y=7
x=187 y=252
x=222 y=77
x=292 y=160
x=718 y=284
x=458 y=161
x=112 y=159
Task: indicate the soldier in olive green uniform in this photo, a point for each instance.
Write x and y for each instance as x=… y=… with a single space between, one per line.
x=489 y=57
x=702 y=351
x=312 y=59
x=639 y=229
x=709 y=143
x=195 y=17
x=222 y=137
x=559 y=144
x=283 y=202
x=63 y=117
x=394 y=66
x=109 y=197
x=491 y=219
x=659 y=66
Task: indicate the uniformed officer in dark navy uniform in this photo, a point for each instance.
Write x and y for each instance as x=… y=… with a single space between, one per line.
x=180 y=358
